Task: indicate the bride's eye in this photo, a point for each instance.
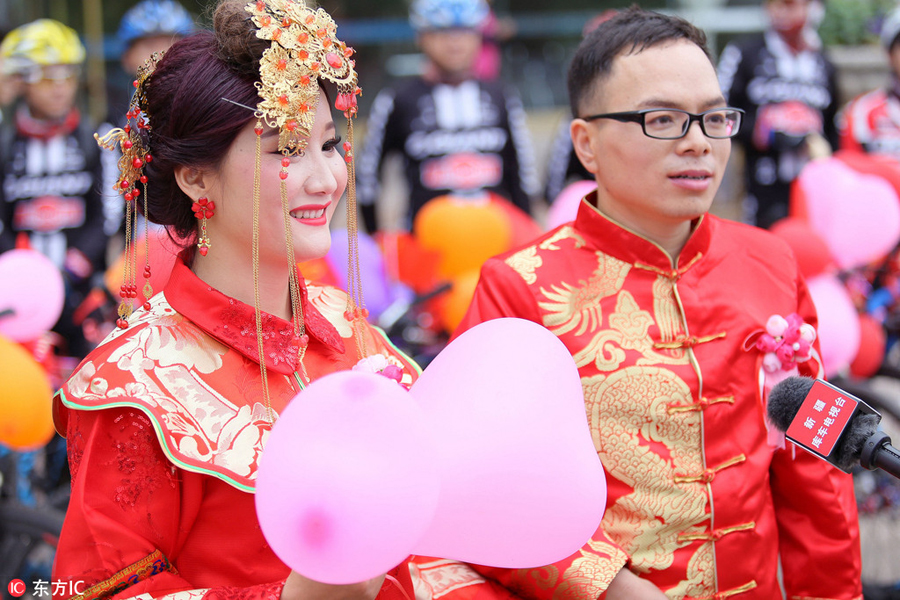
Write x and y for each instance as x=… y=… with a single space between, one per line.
x=332 y=144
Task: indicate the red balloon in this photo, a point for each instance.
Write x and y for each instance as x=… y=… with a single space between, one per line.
x=524 y=228
x=872 y=344
x=407 y=261
x=813 y=255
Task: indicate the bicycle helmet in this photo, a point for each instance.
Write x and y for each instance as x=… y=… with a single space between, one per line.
x=154 y=17
x=40 y=43
x=890 y=29
x=445 y=14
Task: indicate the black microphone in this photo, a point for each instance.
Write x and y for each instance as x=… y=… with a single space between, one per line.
x=832 y=424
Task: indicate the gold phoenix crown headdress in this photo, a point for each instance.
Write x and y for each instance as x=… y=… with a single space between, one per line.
x=304 y=49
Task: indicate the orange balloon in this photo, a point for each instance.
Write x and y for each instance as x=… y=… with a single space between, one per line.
x=465 y=232
x=455 y=302
x=872 y=343
x=26 y=420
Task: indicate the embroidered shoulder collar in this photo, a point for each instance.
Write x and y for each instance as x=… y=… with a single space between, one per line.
x=231 y=321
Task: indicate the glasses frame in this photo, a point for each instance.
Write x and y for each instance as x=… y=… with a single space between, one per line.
x=52 y=73
x=639 y=116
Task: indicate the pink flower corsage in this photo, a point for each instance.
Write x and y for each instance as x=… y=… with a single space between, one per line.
x=380 y=365
x=786 y=342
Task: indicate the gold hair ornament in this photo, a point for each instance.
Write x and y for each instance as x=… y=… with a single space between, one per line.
x=132 y=144
x=304 y=50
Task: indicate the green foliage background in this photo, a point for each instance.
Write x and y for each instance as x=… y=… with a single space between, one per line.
x=853 y=22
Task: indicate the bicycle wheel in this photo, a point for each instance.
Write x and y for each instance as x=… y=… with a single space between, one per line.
x=28 y=540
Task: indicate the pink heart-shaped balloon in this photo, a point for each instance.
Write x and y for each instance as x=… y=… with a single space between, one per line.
x=856 y=214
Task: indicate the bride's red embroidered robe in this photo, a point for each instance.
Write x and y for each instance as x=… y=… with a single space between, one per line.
x=165 y=423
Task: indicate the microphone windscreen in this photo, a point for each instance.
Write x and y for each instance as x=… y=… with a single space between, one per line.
x=860 y=429
x=785 y=400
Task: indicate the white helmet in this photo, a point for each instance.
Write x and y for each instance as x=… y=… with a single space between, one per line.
x=890 y=29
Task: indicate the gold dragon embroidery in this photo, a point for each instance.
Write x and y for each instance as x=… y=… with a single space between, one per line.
x=525 y=262
x=627 y=414
x=591 y=573
x=577 y=307
x=565 y=233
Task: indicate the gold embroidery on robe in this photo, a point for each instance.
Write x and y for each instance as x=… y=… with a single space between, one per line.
x=646 y=523
x=525 y=263
x=701 y=576
x=591 y=573
x=668 y=313
x=542 y=578
x=628 y=329
x=566 y=232
x=572 y=307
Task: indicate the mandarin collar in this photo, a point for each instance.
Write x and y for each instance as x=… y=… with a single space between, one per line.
x=232 y=322
x=631 y=247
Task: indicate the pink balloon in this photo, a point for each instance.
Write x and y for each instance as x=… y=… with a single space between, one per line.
x=858 y=215
x=565 y=206
x=347 y=482
x=32 y=288
x=488 y=459
x=839 y=329
x=521 y=483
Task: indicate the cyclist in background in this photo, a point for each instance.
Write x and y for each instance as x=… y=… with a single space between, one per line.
x=51 y=198
x=147 y=27
x=871 y=121
x=788 y=88
x=9 y=86
x=563 y=166
x=457 y=134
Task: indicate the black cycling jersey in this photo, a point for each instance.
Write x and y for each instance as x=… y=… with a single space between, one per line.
x=454 y=139
x=51 y=192
x=786 y=96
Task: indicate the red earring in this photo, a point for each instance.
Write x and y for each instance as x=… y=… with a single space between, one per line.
x=203 y=210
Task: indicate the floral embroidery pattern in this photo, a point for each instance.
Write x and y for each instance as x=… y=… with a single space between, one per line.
x=202 y=395
x=136 y=456
x=164 y=366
